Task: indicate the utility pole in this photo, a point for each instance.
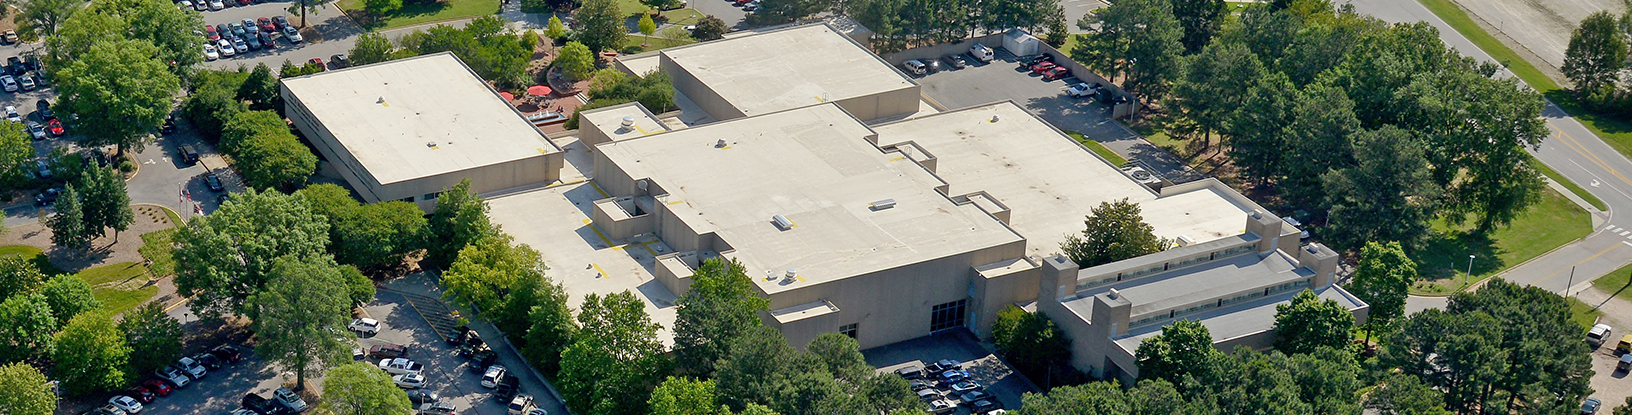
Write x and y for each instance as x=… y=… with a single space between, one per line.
x=1467 y=277
x=1571 y=283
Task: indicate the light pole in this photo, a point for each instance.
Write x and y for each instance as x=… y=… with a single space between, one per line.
x=1465 y=278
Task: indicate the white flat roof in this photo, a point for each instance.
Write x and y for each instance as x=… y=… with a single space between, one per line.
x=610 y=121
x=815 y=167
x=387 y=114
x=796 y=67
x=1048 y=181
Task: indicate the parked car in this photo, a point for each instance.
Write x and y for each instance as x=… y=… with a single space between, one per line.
x=928 y=395
x=920 y=384
x=521 y=405
x=190 y=367
x=42 y=169
x=982 y=52
x=1027 y=61
x=507 y=388
x=956 y=61
x=47 y=197
x=953 y=376
x=1625 y=345
x=942 y=407
x=931 y=65
x=227 y=352
x=262 y=406
x=340 y=61
x=224 y=47
x=9 y=83
x=494 y=374
x=421 y=396
x=913 y=67
x=108 y=409
x=173 y=376
x=36 y=130
x=280 y=22
x=217 y=5
x=201 y=5
x=401 y=366
x=239 y=46
x=1041 y=67
x=967 y=385
x=140 y=394
x=943 y=365
x=54 y=127
x=409 y=381
x=44 y=107
x=12 y=115
x=289 y=399
x=464 y=335
x=1082 y=90
x=387 y=351
x=1598 y=334
x=1057 y=72
x=11 y=36
x=210 y=33
x=319 y=62
x=436 y=408
x=910 y=372
x=970 y=397
x=985 y=406
x=266 y=40
x=188 y=155
x=157 y=386
x=209 y=361
x=27 y=82
x=291 y=33
x=213 y=181
x=364 y=326
x=266 y=25
x=125 y=403
x=169 y=125
x=480 y=360
x=1625 y=364
x=1591 y=406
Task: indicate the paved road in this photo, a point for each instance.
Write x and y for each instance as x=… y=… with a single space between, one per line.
x=1572 y=150
x=723 y=9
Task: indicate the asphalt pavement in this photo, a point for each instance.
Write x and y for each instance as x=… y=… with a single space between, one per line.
x=1574 y=152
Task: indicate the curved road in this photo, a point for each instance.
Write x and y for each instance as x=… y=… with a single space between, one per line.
x=1573 y=151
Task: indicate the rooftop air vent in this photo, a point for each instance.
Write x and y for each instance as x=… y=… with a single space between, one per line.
x=770 y=275
x=628 y=121
x=1113 y=293
x=791 y=274
x=782 y=222
x=431 y=144
x=882 y=204
x=1185 y=240
x=994 y=118
x=719 y=144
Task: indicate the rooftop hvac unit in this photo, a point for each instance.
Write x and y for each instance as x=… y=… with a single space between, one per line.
x=1185 y=240
x=882 y=204
x=782 y=222
x=791 y=275
x=719 y=144
x=770 y=275
x=1113 y=293
x=628 y=121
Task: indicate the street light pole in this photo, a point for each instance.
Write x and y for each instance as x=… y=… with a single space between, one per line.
x=1466 y=278
x=1568 y=284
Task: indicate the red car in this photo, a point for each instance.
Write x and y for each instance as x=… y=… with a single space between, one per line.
x=156 y=386
x=1040 y=67
x=318 y=62
x=140 y=394
x=54 y=127
x=1056 y=72
x=266 y=25
x=209 y=31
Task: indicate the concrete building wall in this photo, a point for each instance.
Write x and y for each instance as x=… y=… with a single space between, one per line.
x=893 y=305
x=699 y=93
x=993 y=294
x=885 y=104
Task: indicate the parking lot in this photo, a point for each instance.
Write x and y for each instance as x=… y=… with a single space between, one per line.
x=329 y=33
x=1000 y=381
x=1002 y=79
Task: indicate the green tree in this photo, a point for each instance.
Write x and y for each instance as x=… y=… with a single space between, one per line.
x=1382 y=279
x=1478 y=128
x=1201 y=19
x=1217 y=85
x=379 y=234
x=371 y=48
x=488 y=270
x=360 y=289
x=358 y=388
x=646 y=25
x=1596 y=54
x=106 y=202
x=1308 y=323
x=261 y=90
x=721 y=305
x=381 y=7
x=552 y=329
x=121 y=90
x=554 y=29
x=661 y=4
x=265 y=152
x=1093 y=398
x=301 y=7
x=460 y=219
x=300 y=318
x=68 y=296
x=153 y=336
x=1183 y=349
x=223 y=258
x=171 y=29
x=1388 y=195
x=1405 y=395
x=68 y=222
x=213 y=101
x=709 y=28
x=1138 y=40
x=601 y=25
x=684 y=396
x=97 y=360
x=16 y=151
x=37 y=19
x=1624 y=409
x=18 y=275
x=1115 y=231
x=616 y=359
x=1032 y=343
x=775 y=12
x=26 y=325
x=25 y=391
x=1318 y=140
x=576 y=61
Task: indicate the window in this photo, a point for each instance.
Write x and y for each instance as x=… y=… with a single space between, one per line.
x=429 y=196
x=409 y=199
x=947 y=316
x=848 y=330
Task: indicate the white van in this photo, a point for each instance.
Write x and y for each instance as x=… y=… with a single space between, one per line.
x=914 y=67
x=982 y=52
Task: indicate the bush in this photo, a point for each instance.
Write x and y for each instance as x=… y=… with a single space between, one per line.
x=126 y=166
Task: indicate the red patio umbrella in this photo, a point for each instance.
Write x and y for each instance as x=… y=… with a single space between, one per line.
x=507 y=96
x=538 y=90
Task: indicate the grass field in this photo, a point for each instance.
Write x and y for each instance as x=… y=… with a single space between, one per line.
x=1574 y=188
x=1617 y=282
x=156 y=247
x=652 y=42
x=1097 y=148
x=1549 y=224
x=31 y=252
x=1583 y=314
x=119 y=286
x=414 y=13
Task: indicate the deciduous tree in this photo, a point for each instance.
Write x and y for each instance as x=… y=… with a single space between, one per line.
x=37 y=19
x=1388 y=195
x=616 y=358
x=358 y=388
x=1032 y=343
x=171 y=29
x=1382 y=280
x=94 y=358
x=1256 y=129
x=371 y=48
x=1309 y=323
x=16 y=152
x=300 y=319
x=646 y=25
x=1596 y=54
x=488 y=270
x=709 y=28
x=1318 y=140
x=552 y=329
x=223 y=258
x=26 y=325
x=1183 y=349
x=261 y=90
x=460 y=219
x=555 y=29
x=119 y=91
x=381 y=7
x=18 y=275
x=576 y=60
x=601 y=25
x=685 y=396
x=68 y=296
x=1115 y=231
x=25 y=391
x=379 y=234
x=721 y=305
x=106 y=202
x=153 y=336
x=268 y=155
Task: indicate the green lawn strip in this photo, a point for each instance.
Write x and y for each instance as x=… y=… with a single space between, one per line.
x=37 y=256
x=1583 y=314
x=119 y=286
x=652 y=42
x=156 y=247
x=1574 y=188
x=1097 y=148
x=1617 y=282
x=415 y=13
x=682 y=17
x=1551 y=223
x=632 y=7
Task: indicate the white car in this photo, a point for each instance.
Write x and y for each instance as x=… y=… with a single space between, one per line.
x=401 y=366
x=494 y=375
x=201 y=5
x=184 y=5
x=291 y=33
x=126 y=403
x=9 y=82
x=193 y=369
x=11 y=115
x=225 y=46
x=173 y=377
x=409 y=381
x=521 y=405
x=1082 y=90
x=210 y=53
x=216 y=5
x=364 y=326
x=289 y=399
x=1598 y=334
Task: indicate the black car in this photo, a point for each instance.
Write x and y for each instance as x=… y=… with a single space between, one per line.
x=214 y=181
x=266 y=40
x=910 y=372
x=507 y=388
x=226 y=352
x=188 y=155
x=340 y=61
x=480 y=360
x=421 y=396
x=984 y=406
x=139 y=394
x=932 y=66
x=14 y=66
x=169 y=124
x=920 y=384
x=264 y=406
x=209 y=361
x=46 y=197
x=1027 y=61
x=45 y=109
x=956 y=61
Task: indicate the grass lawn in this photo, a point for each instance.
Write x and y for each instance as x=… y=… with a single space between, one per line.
x=1617 y=282
x=1574 y=188
x=682 y=17
x=36 y=256
x=1553 y=222
x=156 y=247
x=652 y=42
x=1097 y=148
x=119 y=286
x=1583 y=314
x=413 y=13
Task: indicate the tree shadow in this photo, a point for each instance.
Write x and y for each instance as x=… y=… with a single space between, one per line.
x=1445 y=255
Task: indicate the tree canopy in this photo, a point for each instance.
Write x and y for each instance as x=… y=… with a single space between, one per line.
x=300 y=319
x=1309 y=323
x=1114 y=231
x=460 y=219
x=96 y=361
x=25 y=391
x=721 y=305
x=616 y=358
x=153 y=336
x=359 y=388
x=1382 y=279
x=223 y=258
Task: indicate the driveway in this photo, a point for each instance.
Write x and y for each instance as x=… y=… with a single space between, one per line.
x=1001 y=382
x=1001 y=79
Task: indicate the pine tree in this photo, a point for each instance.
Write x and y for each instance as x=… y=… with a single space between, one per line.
x=68 y=224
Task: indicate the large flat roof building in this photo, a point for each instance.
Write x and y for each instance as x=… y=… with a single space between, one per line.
x=405 y=129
